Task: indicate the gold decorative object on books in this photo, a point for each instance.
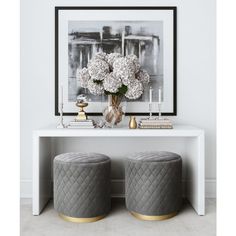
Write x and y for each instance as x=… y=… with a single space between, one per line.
x=81 y=103
x=81 y=114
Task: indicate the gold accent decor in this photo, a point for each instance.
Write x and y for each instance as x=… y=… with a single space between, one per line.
x=81 y=114
x=81 y=220
x=132 y=123
x=146 y=217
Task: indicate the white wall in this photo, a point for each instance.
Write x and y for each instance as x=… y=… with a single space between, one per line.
x=196 y=73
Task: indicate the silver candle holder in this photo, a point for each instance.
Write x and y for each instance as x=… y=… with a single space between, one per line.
x=150 y=110
x=159 y=110
x=159 y=104
x=150 y=103
x=61 y=124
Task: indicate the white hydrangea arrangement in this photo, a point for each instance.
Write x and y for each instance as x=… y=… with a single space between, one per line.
x=114 y=74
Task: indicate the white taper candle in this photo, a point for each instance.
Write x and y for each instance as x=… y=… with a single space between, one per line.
x=159 y=95
x=61 y=94
x=150 y=95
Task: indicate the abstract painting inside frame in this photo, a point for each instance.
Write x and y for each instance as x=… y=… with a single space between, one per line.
x=142 y=38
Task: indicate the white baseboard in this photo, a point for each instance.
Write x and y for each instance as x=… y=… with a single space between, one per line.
x=117 y=188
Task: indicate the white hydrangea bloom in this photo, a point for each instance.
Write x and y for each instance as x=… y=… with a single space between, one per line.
x=108 y=72
x=95 y=88
x=135 y=60
x=111 y=83
x=128 y=80
x=83 y=77
x=98 y=69
x=111 y=58
x=143 y=76
x=100 y=56
x=124 y=68
x=135 y=90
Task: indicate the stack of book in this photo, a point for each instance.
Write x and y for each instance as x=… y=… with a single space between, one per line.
x=163 y=123
x=83 y=124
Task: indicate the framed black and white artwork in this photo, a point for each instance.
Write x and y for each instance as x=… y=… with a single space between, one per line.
x=148 y=32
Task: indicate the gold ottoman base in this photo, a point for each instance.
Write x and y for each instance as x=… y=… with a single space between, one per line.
x=146 y=217
x=81 y=220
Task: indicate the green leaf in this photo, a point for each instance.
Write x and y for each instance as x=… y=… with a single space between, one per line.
x=123 y=89
x=97 y=81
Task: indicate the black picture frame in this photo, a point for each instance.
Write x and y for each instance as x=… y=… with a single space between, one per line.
x=173 y=8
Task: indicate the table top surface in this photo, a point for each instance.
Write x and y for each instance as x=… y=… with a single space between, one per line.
x=178 y=130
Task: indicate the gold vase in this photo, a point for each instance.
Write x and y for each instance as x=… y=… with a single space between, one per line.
x=132 y=123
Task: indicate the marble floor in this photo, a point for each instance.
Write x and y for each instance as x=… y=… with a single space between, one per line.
x=119 y=223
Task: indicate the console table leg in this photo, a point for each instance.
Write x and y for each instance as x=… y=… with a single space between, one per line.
x=41 y=173
x=195 y=183
x=201 y=174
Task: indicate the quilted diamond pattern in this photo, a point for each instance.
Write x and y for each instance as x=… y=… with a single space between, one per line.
x=153 y=187
x=82 y=189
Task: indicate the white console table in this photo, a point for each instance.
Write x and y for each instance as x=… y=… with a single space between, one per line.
x=42 y=154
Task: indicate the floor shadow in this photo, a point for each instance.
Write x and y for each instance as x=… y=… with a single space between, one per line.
x=117 y=204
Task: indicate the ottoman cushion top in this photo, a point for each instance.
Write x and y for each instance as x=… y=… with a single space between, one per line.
x=81 y=158
x=160 y=156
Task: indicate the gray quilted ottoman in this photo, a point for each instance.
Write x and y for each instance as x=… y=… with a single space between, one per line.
x=82 y=186
x=153 y=185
